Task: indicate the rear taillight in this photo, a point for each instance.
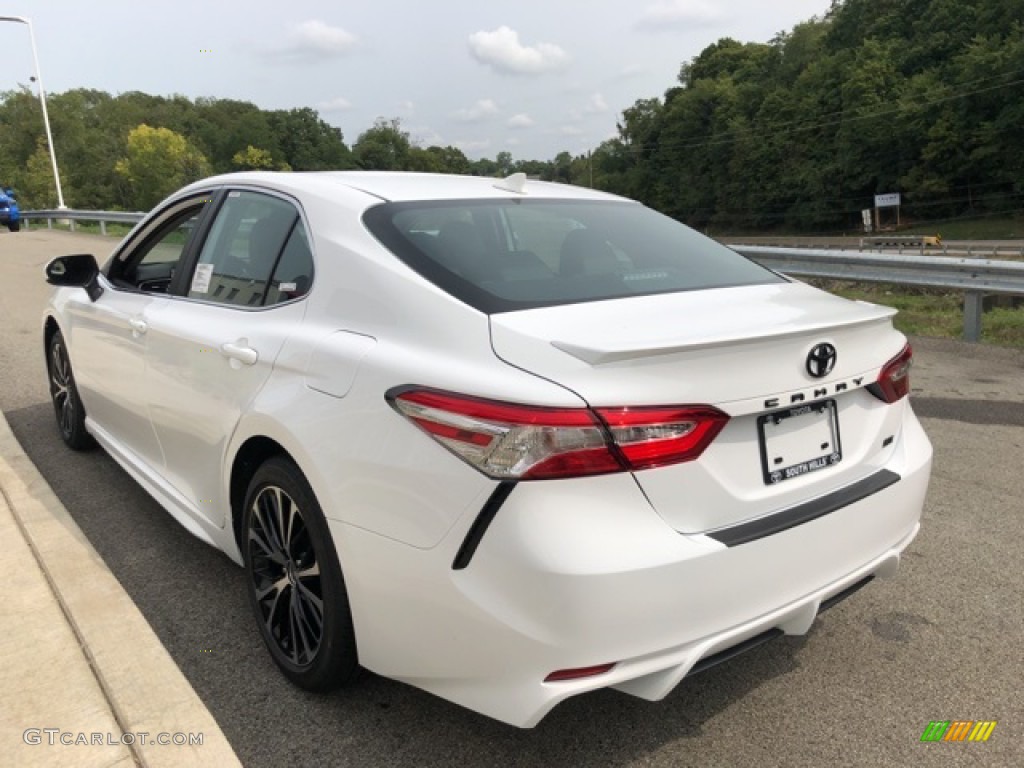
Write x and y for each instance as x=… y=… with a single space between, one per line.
x=894 y=380
x=525 y=442
x=652 y=437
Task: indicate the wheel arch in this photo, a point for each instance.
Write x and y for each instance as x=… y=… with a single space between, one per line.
x=250 y=455
x=50 y=327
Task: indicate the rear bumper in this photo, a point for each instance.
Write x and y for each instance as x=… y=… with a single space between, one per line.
x=572 y=574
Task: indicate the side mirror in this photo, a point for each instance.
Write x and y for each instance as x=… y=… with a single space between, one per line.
x=78 y=271
x=10 y=193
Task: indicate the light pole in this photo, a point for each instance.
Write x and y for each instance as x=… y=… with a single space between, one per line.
x=42 y=101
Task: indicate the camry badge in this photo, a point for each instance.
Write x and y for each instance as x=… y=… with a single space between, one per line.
x=821 y=360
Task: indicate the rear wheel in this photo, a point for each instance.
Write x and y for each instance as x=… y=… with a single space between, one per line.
x=295 y=582
x=66 y=404
x=14 y=226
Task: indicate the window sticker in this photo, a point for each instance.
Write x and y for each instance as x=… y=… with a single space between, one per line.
x=201 y=279
x=286 y=287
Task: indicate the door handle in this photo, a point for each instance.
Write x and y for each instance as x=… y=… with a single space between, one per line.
x=138 y=327
x=239 y=353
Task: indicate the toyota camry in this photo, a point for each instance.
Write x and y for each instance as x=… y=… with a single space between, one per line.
x=505 y=440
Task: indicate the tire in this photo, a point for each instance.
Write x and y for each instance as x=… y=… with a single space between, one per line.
x=294 y=580
x=67 y=405
x=14 y=226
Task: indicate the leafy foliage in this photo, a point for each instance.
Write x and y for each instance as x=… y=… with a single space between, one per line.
x=922 y=97
x=159 y=161
x=252 y=158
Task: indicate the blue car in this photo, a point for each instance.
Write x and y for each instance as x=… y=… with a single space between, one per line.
x=9 y=214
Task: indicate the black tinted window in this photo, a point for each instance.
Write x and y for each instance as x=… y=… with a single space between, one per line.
x=151 y=263
x=242 y=249
x=505 y=255
x=294 y=273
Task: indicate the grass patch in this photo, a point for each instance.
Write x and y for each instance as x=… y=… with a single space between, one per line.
x=1003 y=228
x=927 y=312
x=88 y=227
x=1004 y=326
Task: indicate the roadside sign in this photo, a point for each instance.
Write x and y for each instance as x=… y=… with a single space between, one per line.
x=887 y=201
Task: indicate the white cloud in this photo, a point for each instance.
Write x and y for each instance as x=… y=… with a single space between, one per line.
x=571 y=130
x=597 y=104
x=315 y=40
x=672 y=14
x=480 y=111
x=502 y=52
x=522 y=120
x=339 y=104
x=407 y=106
x=425 y=136
x=469 y=145
x=513 y=142
x=631 y=70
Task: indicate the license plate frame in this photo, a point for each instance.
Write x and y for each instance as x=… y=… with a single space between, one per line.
x=777 y=428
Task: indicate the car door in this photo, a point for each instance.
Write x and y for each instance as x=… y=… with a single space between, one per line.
x=211 y=351
x=110 y=334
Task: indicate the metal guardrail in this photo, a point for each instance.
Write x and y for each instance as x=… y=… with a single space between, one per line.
x=972 y=249
x=975 y=277
x=72 y=215
x=900 y=241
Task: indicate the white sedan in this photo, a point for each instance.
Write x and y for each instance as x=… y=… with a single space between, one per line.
x=504 y=440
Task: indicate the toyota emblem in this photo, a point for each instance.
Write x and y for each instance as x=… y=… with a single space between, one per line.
x=821 y=360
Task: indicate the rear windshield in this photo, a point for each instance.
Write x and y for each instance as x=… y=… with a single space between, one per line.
x=507 y=255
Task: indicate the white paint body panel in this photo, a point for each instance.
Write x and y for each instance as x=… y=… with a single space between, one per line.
x=725 y=347
x=571 y=572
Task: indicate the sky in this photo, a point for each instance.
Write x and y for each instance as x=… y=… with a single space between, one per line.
x=530 y=77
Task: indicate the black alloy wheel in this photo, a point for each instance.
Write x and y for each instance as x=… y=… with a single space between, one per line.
x=295 y=582
x=66 y=404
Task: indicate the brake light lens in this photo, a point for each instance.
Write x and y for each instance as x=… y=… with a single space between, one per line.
x=523 y=442
x=894 y=380
x=652 y=437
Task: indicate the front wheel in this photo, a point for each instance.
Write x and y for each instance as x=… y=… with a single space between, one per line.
x=66 y=404
x=295 y=582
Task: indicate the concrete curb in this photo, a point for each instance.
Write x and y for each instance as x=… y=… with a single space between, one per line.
x=143 y=687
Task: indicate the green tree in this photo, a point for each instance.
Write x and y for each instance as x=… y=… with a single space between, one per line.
x=423 y=161
x=253 y=159
x=451 y=159
x=562 y=170
x=34 y=184
x=384 y=147
x=504 y=163
x=158 y=161
x=308 y=143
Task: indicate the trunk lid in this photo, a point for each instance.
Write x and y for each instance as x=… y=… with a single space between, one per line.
x=745 y=351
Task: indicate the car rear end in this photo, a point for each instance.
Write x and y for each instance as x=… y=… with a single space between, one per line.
x=10 y=216
x=742 y=454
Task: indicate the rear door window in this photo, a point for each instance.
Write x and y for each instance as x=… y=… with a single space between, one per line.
x=256 y=253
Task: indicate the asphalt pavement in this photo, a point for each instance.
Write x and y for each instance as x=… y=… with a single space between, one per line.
x=940 y=641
